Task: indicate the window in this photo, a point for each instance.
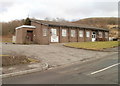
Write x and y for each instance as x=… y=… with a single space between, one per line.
x=44 y=32
x=80 y=33
x=106 y=34
x=87 y=34
x=64 y=32
x=100 y=34
x=54 y=32
x=72 y=33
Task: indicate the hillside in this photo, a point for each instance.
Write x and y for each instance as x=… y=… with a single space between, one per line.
x=101 y=22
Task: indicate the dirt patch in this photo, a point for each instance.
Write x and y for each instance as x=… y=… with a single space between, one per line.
x=16 y=60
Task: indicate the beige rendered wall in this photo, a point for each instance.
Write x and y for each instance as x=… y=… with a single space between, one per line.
x=19 y=36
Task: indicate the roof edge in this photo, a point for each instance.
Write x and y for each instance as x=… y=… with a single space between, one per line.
x=25 y=26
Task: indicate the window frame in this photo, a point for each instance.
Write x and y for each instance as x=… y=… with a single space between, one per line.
x=81 y=34
x=87 y=35
x=45 y=30
x=73 y=33
x=53 y=31
x=64 y=32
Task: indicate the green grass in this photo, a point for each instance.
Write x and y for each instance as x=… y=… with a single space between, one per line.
x=94 y=45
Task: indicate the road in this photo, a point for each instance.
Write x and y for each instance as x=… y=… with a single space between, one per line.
x=99 y=71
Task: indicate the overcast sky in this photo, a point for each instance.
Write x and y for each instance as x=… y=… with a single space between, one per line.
x=67 y=9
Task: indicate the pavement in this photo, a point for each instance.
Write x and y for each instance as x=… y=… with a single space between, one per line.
x=53 y=55
x=100 y=71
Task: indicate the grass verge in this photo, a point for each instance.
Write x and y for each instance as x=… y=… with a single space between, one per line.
x=94 y=45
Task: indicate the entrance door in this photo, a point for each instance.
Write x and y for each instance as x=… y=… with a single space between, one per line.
x=54 y=37
x=29 y=36
x=93 y=36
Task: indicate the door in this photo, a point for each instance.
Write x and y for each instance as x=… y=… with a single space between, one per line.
x=54 y=37
x=93 y=36
x=29 y=36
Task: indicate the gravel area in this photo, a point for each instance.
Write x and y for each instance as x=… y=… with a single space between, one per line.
x=54 y=54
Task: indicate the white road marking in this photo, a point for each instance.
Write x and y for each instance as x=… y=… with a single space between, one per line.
x=105 y=68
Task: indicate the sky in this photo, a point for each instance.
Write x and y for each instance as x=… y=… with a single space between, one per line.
x=65 y=9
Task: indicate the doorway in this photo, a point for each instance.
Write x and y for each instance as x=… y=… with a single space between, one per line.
x=93 y=36
x=54 y=37
x=29 y=36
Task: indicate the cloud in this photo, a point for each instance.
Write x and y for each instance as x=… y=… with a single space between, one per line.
x=67 y=9
x=5 y=5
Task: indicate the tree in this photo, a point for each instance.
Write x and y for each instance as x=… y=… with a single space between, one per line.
x=8 y=28
x=27 y=21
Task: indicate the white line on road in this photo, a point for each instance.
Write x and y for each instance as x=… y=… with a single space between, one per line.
x=105 y=68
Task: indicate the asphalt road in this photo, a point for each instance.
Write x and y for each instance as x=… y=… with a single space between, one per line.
x=100 y=71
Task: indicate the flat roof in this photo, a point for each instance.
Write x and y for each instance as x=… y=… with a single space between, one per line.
x=25 y=26
x=66 y=24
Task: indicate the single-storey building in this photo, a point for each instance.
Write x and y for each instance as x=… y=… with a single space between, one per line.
x=46 y=32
